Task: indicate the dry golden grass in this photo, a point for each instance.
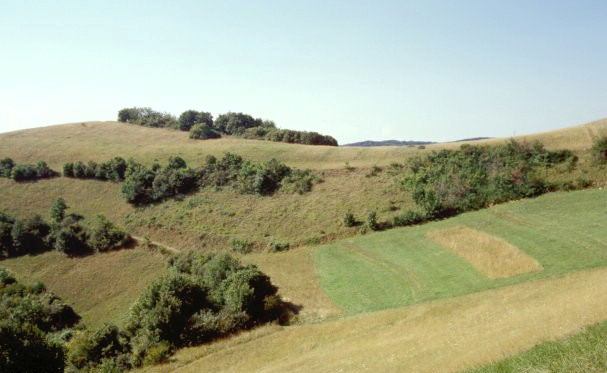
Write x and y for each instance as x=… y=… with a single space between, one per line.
x=100 y=287
x=295 y=275
x=442 y=336
x=490 y=255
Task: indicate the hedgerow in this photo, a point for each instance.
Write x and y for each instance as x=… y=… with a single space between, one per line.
x=25 y=172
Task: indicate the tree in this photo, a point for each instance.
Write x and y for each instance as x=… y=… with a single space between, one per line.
x=24 y=348
x=235 y=123
x=30 y=235
x=58 y=210
x=6 y=166
x=203 y=132
x=71 y=238
x=189 y=118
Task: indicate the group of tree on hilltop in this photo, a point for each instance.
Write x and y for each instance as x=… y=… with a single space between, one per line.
x=202 y=125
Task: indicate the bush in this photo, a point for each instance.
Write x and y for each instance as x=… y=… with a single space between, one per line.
x=235 y=123
x=203 y=132
x=106 y=236
x=599 y=150
x=452 y=181
x=71 y=238
x=147 y=117
x=409 y=218
x=157 y=353
x=30 y=235
x=26 y=349
x=277 y=247
x=349 y=220
x=58 y=210
x=241 y=246
x=6 y=167
x=372 y=221
x=91 y=347
x=6 y=238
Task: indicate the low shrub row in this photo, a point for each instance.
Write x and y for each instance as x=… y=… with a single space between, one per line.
x=113 y=169
x=65 y=233
x=25 y=172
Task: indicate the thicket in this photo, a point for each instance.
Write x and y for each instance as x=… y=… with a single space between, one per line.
x=143 y=185
x=25 y=172
x=201 y=125
x=64 y=233
x=452 y=181
x=33 y=323
x=202 y=298
x=113 y=169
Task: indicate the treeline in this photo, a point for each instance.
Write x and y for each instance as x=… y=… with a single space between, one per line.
x=202 y=298
x=143 y=185
x=34 y=325
x=64 y=233
x=201 y=125
x=25 y=172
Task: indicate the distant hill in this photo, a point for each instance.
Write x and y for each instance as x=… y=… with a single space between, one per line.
x=370 y=143
x=390 y=143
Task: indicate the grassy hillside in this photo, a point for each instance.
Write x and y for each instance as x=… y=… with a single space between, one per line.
x=101 y=288
x=562 y=231
x=211 y=219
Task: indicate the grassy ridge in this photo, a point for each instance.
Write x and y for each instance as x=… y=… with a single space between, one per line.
x=563 y=231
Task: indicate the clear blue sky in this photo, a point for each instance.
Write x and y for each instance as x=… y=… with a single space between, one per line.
x=425 y=70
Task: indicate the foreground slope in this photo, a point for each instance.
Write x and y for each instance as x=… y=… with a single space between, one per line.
x=446 y=335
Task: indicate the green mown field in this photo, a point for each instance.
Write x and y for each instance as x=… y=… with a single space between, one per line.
x=563 y=231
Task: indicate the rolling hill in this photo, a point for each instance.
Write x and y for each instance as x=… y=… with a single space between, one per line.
x=383 y=301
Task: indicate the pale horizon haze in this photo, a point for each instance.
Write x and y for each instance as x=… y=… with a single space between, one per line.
x=357 y=70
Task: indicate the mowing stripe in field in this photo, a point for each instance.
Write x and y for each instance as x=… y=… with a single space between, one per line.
x=564 y=232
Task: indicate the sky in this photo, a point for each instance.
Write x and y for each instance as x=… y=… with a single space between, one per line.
x=357 y=70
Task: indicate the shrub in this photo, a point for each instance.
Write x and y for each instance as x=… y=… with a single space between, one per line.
x=277 y=247
x=409 y=218
x=70 y=238
x=106 y=236
x=349 y=220
x=58 y=210
x=6 y=238
x=6 y=167
x=241 y=246
x=452 y=181
x=26 y=349
x=599 y=150
x=372 y=221
x=203 y=132
x=147 y=117
x=235 y=123
x=157 y=353
x=30 y=235
x=91 y=347
x=24 y=172
x=68 y=169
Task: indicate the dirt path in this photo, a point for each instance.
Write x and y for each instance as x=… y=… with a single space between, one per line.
x=441 y=336
x=141 y=240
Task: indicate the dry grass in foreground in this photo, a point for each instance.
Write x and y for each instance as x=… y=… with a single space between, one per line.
x=490 y=255
x=442 y=336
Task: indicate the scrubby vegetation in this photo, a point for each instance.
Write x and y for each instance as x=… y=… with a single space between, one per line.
x=65 y=233
x=113 y=169
x=144 y=185
x=452 y=181
x=599 y=150
x=201 y=125
x=202 y=298
x=25 y=172
x=33 y=324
